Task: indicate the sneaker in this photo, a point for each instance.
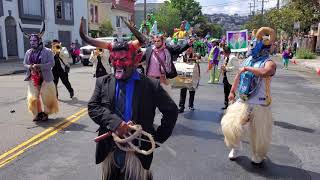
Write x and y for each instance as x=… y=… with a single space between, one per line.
x=181 y=110
x=233 y=154
x=191 y=108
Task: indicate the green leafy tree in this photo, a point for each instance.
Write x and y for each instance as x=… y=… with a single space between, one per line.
x=105 y=29
x=305 y=12
x=167 y=18
x=190 y=10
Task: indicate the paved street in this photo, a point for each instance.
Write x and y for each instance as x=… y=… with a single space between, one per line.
x=195 y=151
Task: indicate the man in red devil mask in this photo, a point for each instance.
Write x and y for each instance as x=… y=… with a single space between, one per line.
x=123 y=98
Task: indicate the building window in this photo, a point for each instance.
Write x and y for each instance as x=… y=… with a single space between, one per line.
x=91 y=13
x=122 y=23
x=94 y=16
x=96 y=13
x=64 y=11
x=67 y=11
x=118 y=20
x=59 y=9
x=32 y=7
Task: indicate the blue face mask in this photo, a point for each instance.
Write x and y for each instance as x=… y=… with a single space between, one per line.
x=257 y=48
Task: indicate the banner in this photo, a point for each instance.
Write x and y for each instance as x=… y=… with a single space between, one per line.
x=238 y=40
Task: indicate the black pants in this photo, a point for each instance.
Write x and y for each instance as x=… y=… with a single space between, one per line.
x=64 y=78
x=74 y=59
x=226 y=88
x=183 y=95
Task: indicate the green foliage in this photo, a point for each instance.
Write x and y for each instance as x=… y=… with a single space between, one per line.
x=305 y=54
x=190 y=10
x=105 y=29
x=167 y=18
x=305 y=12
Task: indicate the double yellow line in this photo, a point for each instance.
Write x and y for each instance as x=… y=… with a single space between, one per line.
x=13 y=153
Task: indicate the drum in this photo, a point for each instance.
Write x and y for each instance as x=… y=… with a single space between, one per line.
x=188 y=75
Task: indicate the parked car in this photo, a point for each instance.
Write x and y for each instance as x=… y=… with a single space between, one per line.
x=85 y=51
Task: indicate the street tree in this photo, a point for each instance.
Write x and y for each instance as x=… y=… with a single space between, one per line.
x=190 y=10
x=105 y=29
x=167 y=18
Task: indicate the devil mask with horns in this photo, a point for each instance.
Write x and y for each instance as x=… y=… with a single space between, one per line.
x=34 y=38
x=124 y=56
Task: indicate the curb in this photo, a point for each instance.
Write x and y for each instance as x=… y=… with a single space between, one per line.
x=13 y=72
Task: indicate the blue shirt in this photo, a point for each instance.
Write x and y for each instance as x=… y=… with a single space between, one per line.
x=129 y=90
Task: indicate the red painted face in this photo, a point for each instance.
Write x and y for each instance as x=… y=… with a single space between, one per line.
x=124 y=62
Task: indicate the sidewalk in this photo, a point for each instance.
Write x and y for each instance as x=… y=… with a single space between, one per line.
x=311 y=64
x=11 y=67
x=16 y=67
x=305 y=65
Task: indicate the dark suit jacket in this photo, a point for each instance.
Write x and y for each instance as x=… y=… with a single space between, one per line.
x=148 y=95
x=174 y=51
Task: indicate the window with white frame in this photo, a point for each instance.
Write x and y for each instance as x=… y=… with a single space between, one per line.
x=67 y=11
x=96 y=14
x=122 y=23
x=32 y=7
x=91 y=13
x=59 y=9
x=64 y=11
x=118 y=21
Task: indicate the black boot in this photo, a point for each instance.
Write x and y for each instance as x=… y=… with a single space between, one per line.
x=71 y=94
x=181 y=110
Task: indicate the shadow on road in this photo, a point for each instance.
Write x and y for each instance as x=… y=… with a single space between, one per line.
x=292 y=126
x=276 y=171
x=75 y=102
x=181 y=130
x=199 y=115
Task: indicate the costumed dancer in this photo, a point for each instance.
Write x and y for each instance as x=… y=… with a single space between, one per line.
x=100 y=60
x=213 y=62
x=181 y=33
x=124 y=98
x=41 y=90
x=253 y=104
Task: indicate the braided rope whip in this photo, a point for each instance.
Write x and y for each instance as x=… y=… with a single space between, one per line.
x=125 y=144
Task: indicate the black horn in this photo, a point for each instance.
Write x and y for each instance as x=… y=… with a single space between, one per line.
x=140 y=37
x=42 y=30
x=24 y=33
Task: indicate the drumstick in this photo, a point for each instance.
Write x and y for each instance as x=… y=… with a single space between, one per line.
x=103 y=136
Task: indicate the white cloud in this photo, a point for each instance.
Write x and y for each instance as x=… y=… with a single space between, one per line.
x=228 y=6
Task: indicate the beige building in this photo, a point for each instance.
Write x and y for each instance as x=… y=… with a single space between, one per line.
x=109 y=10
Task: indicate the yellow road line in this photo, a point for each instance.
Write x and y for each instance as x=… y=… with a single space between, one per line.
x=18 y=150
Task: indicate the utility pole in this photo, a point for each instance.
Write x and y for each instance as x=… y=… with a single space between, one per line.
x=254 y=7
x=278 y=4
x=262 y=6
x=250 y=6
x=145 y=10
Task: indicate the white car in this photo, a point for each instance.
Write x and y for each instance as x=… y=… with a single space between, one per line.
x=85 y=51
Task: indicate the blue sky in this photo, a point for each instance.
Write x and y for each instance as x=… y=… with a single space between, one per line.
x=227 y=6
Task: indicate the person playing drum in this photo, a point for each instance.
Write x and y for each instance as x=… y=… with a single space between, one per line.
x=189 y=57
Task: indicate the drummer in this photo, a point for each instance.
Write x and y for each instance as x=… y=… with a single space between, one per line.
x=189 y=57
